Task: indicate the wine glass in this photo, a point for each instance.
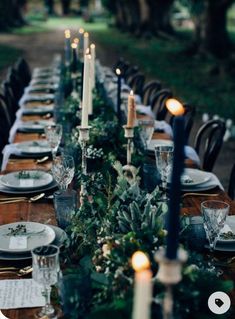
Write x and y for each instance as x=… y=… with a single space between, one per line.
x=45 y=262
x=164 y=158
x=146 y=132
x=63 y=169
x=214 y=214
x=53 y=136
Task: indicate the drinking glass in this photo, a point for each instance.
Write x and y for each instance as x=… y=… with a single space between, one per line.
x=164 y=158
x=146 y=132
x=45 y=262
x=63 y=168
x=53 y=136
x=214 y=214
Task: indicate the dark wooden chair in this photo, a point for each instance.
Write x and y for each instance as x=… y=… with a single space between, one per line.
x=23 y=69
x=149 y=89
x=137 y=83
x=9 y=95
x=189 y=114
x=4 y=126
x=16 y=83
x=158 y=103
x=231 y=186
x=208 y=142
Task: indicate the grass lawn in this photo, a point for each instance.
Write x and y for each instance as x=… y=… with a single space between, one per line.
x=189 y=78
x=8 y=55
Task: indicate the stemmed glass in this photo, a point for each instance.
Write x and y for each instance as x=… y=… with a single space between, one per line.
x=63 y=169
x=214 y=214
x=45 y=272
x=164 y=158
x=146 y=133
x=53 y=136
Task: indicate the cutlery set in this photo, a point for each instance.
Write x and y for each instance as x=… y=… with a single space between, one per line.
x=9 y=200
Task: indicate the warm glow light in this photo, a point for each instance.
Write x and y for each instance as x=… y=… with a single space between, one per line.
x=74 y=45
x=140 y=261
x=118 y=71
x=67 y=35
x=76 y=40
x=86 y=34
x=87 y=51
x=92 y=46
x=131 y=93
x=81 y=31
x=175 y=107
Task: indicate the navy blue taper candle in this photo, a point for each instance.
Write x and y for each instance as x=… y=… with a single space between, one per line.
x=173 y=217
x=119 y=83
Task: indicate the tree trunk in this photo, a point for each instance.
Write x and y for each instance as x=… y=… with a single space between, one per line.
x=160 y=15
x=211 y=29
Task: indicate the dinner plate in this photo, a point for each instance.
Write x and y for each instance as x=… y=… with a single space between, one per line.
x=26 y=180
x=230 y=221
x=12 y=191
x=196 y=177
x=37 y=235
x=34 y=126
x=159 y=142
x=34 y=147
x=38 y=110
x=60 y=238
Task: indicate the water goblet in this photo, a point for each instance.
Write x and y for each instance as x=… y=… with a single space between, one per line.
x=214 y=214
x=63 y=169
x=164 y=158
x=46 y=268
x=146 y=132
x=53 y=135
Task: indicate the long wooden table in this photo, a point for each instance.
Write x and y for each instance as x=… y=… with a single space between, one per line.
x=43 y=210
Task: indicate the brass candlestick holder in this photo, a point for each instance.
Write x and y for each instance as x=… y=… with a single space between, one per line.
x=169 y=274
x=128 y=169
x=84 y=137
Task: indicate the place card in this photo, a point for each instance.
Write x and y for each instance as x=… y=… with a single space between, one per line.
x=18 y=242
x=24 y=293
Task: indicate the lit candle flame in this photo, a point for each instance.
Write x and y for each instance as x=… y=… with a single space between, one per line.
x=74 y=45
x=140 y=261
x=118 y=71
x=76 y=40
x=86 y=34
x=81 y=30
x=67 y=35
x=175 y=107
x=92 y=46
x=87 y=51
x=131 y=93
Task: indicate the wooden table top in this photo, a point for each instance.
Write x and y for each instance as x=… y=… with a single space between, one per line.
x=43 y=210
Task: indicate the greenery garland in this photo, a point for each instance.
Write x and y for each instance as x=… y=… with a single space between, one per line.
x=118 y=218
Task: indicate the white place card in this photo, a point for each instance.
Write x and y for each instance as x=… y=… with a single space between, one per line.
x=18 y=242
x=23 y=293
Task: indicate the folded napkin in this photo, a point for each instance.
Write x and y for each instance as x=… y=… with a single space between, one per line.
x=144 y=109
x=192 y=154
x=7 y=152
x=163 y=126
x=226 y=229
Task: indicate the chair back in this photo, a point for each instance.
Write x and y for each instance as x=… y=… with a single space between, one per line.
x=137 y=82
x=231 y=186
x=149 y=89
x=23 y=69
x=208 y=142
x=130 y=72
x=16 y=83
x=158 y=104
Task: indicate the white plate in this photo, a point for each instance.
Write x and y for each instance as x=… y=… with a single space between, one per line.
x=34 y=147
x=60 y=238
x=34 y=179
x=154 y=143
x=230 y=221
x=31 y=126
x=198 y=177
x=44 y=189
x=37 y=235
x=38 y=110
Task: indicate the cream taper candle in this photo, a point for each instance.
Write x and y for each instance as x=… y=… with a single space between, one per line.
x=85 y=93
x=142 y=286
x=131 y=117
